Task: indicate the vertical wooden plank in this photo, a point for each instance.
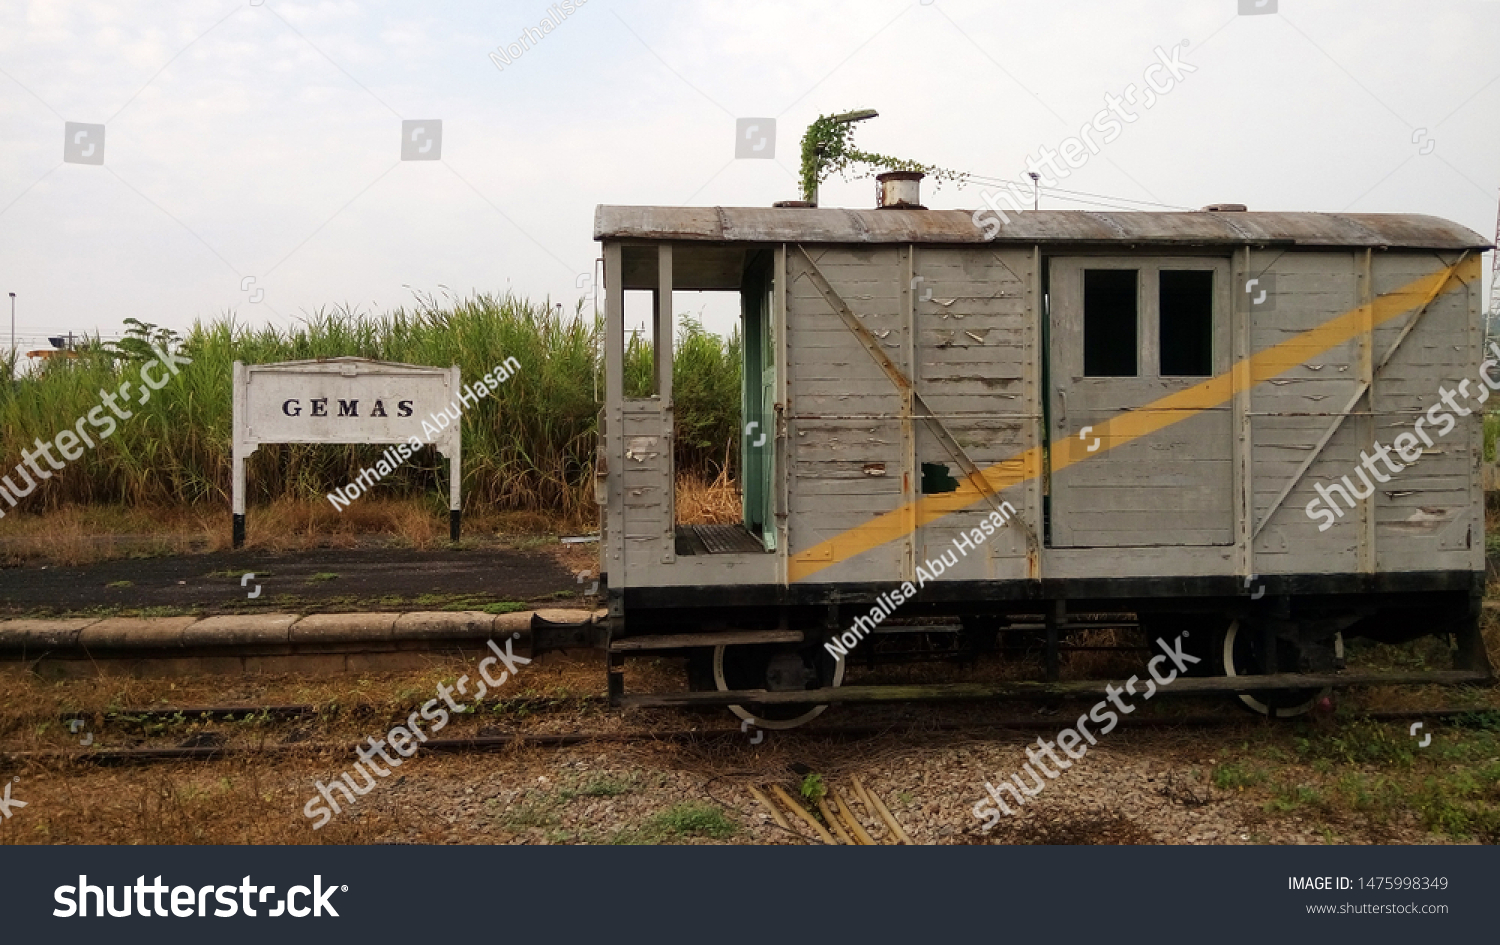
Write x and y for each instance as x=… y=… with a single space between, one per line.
x=785 y=456
x=613 y=449
x=663 y=328
x=1366 y=287
x=663 y=354
x=1036 y=309
x=910 y=472
x=1477 y=355
x=1244 y=472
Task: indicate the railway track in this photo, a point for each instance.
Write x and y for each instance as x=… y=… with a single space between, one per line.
x=139 y=755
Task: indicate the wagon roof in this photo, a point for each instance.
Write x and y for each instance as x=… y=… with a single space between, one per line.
x=820 y=225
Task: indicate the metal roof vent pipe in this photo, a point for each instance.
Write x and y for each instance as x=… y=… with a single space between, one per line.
x=900 y=190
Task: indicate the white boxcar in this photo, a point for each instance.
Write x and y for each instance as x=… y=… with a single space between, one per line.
x=1263 y=425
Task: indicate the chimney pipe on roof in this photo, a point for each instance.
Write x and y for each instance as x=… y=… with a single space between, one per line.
x=901 y=190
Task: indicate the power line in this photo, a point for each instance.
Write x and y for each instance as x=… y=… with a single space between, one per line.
x=1097 y=203
x=1151 y=203
x=1058 y=191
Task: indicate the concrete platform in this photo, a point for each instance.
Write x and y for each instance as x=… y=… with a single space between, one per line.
x=132 y=631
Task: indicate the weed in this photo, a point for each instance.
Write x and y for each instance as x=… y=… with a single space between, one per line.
x=688 y=819
x=1236 y=776
x=1359 y=742
x=540 y=811
x=1486 y=720
x=161 y=612
x=322 y=576
x=813 y=787
x=1290 y=797
x=504 y=607
x=605 y=787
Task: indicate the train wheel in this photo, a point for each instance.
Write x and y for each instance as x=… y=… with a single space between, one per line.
x=1242 y=656
x=776 y=668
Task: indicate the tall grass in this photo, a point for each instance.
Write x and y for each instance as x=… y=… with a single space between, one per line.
x=528 y=447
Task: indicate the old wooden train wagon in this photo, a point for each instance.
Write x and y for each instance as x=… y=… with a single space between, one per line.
x=1263 y=429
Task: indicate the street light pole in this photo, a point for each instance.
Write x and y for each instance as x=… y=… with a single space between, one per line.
x=863 y=114
x=12 y=323
x=1036 y=193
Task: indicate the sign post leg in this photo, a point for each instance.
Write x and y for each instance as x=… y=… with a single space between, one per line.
x=237 y=458
x=455 y=504
x=237 y=505
x=455 y=466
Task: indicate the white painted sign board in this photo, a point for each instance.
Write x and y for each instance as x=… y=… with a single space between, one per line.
x=342 y=400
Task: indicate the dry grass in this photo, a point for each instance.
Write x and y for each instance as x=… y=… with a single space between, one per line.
x=76 y=535
x=708 y=503
x=259 y=798
x=80 y=535
x=84 y=534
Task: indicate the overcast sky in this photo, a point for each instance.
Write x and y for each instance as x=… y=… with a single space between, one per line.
x=263 y=141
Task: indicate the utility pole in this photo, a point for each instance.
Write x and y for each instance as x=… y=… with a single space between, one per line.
x=1494 y=312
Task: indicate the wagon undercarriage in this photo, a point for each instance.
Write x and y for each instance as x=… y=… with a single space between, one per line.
x=762 y=651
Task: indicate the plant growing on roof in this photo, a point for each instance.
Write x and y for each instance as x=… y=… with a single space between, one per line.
x=828 y=146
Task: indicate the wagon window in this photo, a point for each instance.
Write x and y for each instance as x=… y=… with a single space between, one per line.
x=1109 y=322
x=1187 y=310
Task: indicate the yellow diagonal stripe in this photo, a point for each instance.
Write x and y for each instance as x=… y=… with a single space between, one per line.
x=1132 y=424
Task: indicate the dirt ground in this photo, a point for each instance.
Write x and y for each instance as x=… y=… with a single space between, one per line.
x=1329 y=778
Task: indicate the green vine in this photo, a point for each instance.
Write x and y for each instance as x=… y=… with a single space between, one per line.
x=828 y=147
